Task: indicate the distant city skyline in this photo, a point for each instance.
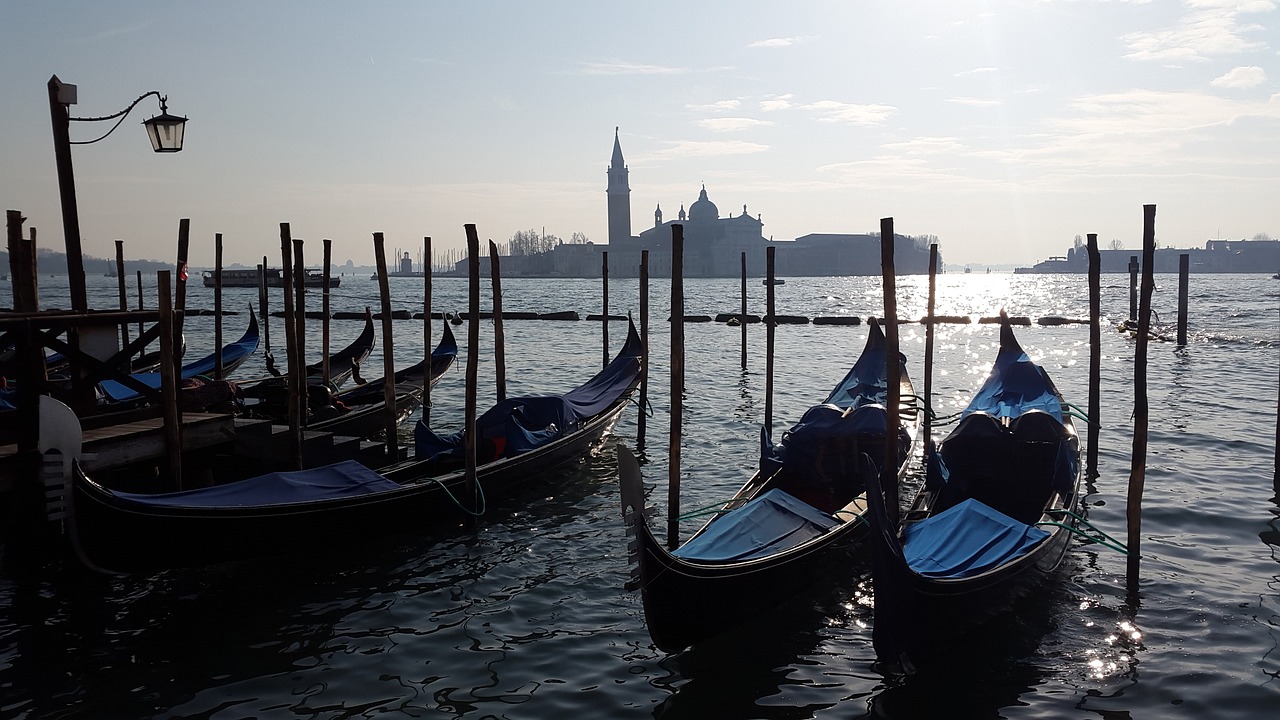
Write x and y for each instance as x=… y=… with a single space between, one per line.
x=1004 y=128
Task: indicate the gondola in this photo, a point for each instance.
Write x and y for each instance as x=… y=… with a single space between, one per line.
x=995 y=514
x=270 y=394
x=338 y=504
x=441 y=358
x=797 y=520
x=114 y=392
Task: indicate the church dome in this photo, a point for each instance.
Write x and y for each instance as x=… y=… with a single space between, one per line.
x=702 y=208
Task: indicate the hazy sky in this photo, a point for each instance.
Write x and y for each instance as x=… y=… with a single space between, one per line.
x=1005 y=128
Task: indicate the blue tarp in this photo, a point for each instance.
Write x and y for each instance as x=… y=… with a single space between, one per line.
x=966 y=540
x=1015 y=386
x=769 y=524
x=345 y=479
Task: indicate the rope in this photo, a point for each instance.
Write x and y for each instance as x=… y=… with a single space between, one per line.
x=463 y=508
x=713 y=509
x=1105 y=540
x=1080 y=414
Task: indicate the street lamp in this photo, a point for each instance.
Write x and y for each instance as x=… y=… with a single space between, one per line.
x=164 y=130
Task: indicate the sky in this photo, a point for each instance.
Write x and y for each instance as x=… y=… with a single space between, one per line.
x=1003 y=128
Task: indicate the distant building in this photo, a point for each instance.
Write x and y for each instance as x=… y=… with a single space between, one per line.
x=713 y=245
x=1217 y=256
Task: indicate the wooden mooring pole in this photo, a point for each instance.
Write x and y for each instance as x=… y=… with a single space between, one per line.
x=929 y=329
x=325 y=374
x=141 y=302
x=388 y=348
x=771 y=324
x=180 y=294
x=642 y=420
x=1133 y=287
x=169 y=384
x=218 y=370
x=1184 y=272
x=299 y=289
x=426 y=330
x=1138 y=466
x=499 y=335
x=473 y=363
x=893 y=396
x=604 y=312
x=742 y=311
x=1095 y=354
x=295 y=364
x=121 y=284
x=677 y=385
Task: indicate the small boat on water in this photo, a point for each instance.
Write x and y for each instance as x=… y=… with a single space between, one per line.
x=252 y=278
x=799 y=519
x=340 y=504
x=995 y=515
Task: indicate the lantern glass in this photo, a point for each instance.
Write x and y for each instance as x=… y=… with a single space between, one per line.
x=165 y=132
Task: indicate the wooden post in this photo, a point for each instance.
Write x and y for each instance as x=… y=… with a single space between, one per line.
x=426 y=329
x=121 y=284
x=218 y=370
x=60 y=117
x=1138 y=467
x=1095 y=354
x=889 y=474
x=140 y=301
x=262 y=311
x=299 y=318
x=604 y=324
x=325 y=375
x=677 y=385
x=499 y=335
x=1184 y=271
x=169 y=384
x=742 y=312
x=642 y=420
x=1133 y=287
x=930 y=330
x=771 y=324
x=295 y=364
x=473 y=362
x=22 y=265
x=180 y=296
x=388 y=348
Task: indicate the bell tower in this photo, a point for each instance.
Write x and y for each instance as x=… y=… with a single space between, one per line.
x=619 y=191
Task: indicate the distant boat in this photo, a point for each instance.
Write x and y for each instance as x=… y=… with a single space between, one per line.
x=249 y=278
x=776 y=281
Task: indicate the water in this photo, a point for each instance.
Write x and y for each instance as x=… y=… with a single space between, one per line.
x=524 y=615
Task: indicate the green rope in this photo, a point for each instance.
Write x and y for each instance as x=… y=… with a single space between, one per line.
x=463 y=508
x=1082 y=414
x=1105 y=540
x=713 y=509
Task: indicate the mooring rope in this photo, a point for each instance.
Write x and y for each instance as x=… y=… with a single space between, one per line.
x=1105 y=540
x=464 y=508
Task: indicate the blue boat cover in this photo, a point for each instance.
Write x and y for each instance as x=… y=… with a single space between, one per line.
x=345 y=479
x=965 y=540
x=520 y=424
x=1015 y=386
x=769 y=524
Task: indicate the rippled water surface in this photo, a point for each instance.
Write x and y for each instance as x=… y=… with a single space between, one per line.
x=522 y=614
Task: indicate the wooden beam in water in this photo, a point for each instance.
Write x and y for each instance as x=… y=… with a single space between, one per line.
x=473 y=362
x=894 y=372
x=677 y=386
x=388 y=348
x=1095 y=353
x=1138 y=465
x=499 y=336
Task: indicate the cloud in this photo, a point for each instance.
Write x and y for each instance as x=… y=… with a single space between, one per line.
x=619 y=67
x=975 y=102
x=975 y=71
x=779 y=42
x=731 y=124
x=831 y=111
x=1241 y=77
x=1213 y=29
x=776 y=102
x=719 y=106
x=710 y=148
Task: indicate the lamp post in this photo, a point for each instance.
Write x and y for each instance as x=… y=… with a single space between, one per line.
x=165 y=132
